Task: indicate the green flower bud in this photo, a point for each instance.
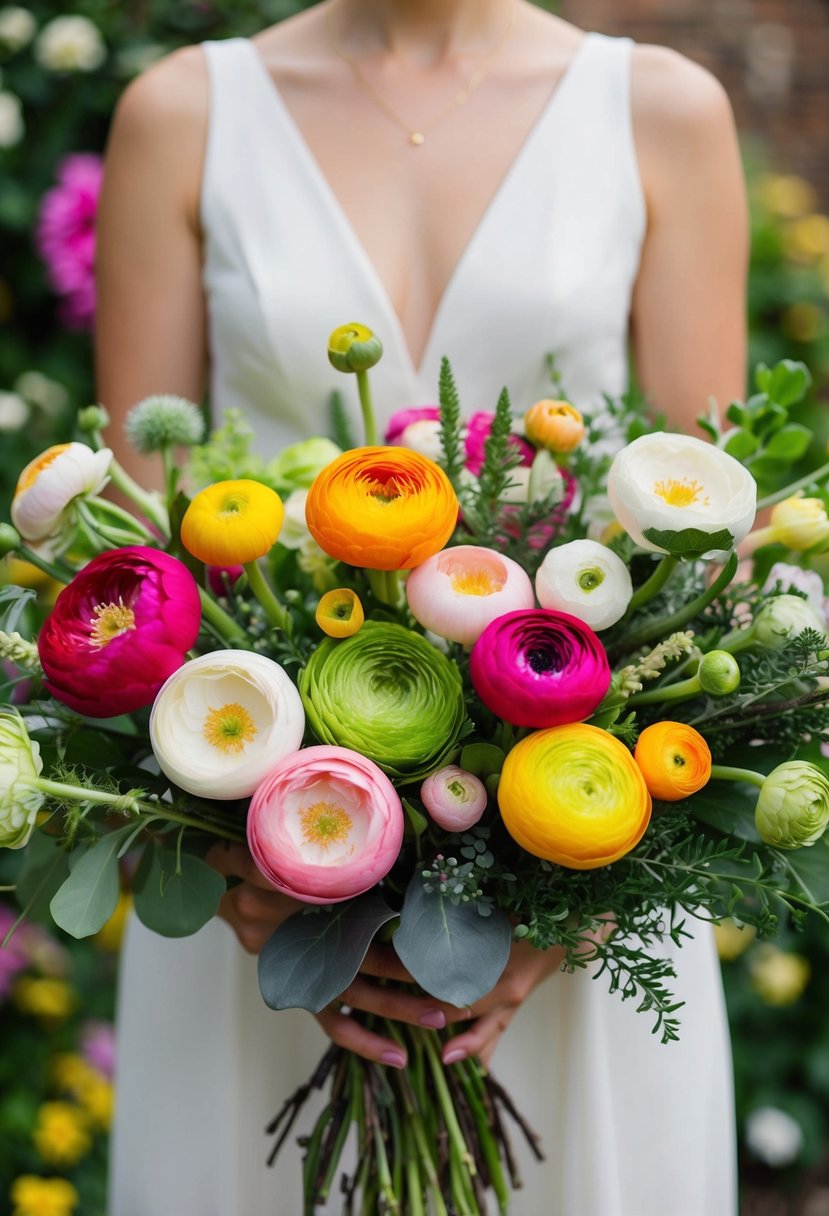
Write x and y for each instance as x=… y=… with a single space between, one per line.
x=718 y=673
x=164 y=422
x=20 y=767
x=296 y=466
x=782 y=618
x=354 y=348
x=793 y=808
x=92 y=419
x=10 y=540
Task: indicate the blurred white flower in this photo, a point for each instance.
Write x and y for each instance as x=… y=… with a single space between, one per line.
x=12 y=127
x=48 y=395
x=13 y=412
x=295 y=534
x=70 y=44
x=423 y=436
x=17 y=27
x=773 y=1136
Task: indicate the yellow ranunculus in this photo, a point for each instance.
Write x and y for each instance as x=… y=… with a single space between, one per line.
x=232 y=523
x=555 y=425
x=786 y=195
x=61 y=1135
x=778 y=976
x=340 y=613
x=33 y=1196
x=799 y=523
x=573 y=795
x=733 y=939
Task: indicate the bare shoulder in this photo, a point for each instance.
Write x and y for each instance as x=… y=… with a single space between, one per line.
x=674 y=98
x=169 y=100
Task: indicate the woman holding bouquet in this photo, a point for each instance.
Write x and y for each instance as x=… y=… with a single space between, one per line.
x=474 y=178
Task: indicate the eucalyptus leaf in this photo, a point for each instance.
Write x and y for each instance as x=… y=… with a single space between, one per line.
x=727 y=806
x=176 y=900
x=314 y=956
x=89 y=896
x=45 y=869
x=689 y=542
x=453 y=953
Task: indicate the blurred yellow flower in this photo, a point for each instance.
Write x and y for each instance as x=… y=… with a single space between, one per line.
x=33 y=1196
x=90 y=1089
x=110 y=937
x=24 y=574
x=61 y=1135
x=49 y=999
x=803 y=322
x=806 y=239
x=69 y=1071
x=777 y=975
x=733 y=939
x=786 y=195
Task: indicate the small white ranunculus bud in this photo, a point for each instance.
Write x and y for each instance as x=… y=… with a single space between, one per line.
x=13 y=412
x=586 y=579
x=782 y=618
x=773 y=1136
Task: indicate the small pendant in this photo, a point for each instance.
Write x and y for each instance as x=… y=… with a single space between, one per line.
x=417 y=138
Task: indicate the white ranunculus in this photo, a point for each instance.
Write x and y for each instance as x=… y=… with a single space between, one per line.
x=12 y=126
x=70 y=44
x=773 y=1136
x=13 y=412
x=20 y=767
x=424 y=437
x=679 y=495
x=17 y=27
x=587 y=580
x=295 y=532
x=223 y=721
x=783 y=618
x=50 y=484
x=534 y=483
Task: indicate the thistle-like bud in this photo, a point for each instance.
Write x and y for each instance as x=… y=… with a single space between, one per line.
x=161 y=422
x=91 y=419
x=354 y=348
x=793 y=808
x=718 y=673
x=782 y=618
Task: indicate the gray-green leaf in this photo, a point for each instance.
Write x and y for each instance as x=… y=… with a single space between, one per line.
x=176 y=904
x=89 y=896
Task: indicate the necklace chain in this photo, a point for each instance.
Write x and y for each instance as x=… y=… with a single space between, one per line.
x=417 y=136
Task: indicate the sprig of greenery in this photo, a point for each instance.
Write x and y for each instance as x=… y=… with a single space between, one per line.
x=451 y=424
x=342 y=432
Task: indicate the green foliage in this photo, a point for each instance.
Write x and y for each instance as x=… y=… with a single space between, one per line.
x=451 y=438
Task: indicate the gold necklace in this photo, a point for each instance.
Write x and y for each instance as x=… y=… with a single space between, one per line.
x=417 y=137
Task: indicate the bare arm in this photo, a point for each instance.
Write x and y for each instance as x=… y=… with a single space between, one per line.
x=689 y=303
x=150 y=330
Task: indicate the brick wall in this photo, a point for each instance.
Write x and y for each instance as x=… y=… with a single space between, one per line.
x=771 y=55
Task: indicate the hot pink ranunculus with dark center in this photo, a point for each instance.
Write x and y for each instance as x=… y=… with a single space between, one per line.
x=118 y=630
x=477 y=433
x=65 y=236
x=539 y=668
x=325 y=825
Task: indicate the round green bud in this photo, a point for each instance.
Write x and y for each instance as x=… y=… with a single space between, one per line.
x=793 y=808
x=354 y=348
x=91 y=419
x=785 y=617
x=718 y=673
x=10 y=540
x=162 y=422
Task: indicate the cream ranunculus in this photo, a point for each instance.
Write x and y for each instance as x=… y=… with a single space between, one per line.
x=679 y=495
x=20 y=767
x=800 y=523
x=223 y=721
x=70 y=44
x=587 y=580
x=51 y=483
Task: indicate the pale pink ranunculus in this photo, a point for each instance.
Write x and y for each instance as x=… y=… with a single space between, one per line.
x=455 y=799
x=325 y=825
x=456 y=593
x=65 y=236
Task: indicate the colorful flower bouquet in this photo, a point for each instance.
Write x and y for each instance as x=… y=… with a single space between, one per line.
x=499 y=679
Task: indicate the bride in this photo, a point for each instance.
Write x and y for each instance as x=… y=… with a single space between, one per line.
x=473 y=178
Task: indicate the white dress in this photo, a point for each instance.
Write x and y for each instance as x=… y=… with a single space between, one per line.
x=630 y=1127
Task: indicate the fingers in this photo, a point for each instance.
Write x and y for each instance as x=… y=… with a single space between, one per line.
x=348 y=1033
x=233 y=860
x=401 y=1006
x=382 y=962
x=481 y=1038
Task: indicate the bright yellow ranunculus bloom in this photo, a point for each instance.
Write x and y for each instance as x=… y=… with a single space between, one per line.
x=232 y=523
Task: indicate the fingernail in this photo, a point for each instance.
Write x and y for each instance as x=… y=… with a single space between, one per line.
x=435 y=1019
x=395 y=1058
x=454 y=1056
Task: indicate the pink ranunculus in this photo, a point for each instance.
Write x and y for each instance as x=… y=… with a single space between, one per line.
x=118 y=630
x=456 y=593
x=455 y=799
x=477 y=433
x=65 y=236
x=325 y=825
x=539 y=668
x=404 y=418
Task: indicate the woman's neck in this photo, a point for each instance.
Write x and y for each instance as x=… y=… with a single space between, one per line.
x=423 y=32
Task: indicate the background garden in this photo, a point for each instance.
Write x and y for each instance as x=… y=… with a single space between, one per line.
x=60 y=75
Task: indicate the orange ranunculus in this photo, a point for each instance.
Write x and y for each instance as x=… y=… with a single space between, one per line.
x=340 y=613
x=555 y=425
x=385 y=508
x=674 y=759
x=232 y=523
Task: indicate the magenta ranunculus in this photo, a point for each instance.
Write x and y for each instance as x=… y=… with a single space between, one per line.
x=404 y=418
x=539 y=668
x=120 y=628
x=65 y=236
x=325 y=825
x=477 y=433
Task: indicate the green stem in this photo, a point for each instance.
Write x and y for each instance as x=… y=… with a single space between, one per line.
x=58 y=573
x=147 y=503
x=367 y=406
x=737 y=640
x=115 y=512
x=170 y=475
x=157 y=810
x=654 y=584
x=671 y=624
x=222 y=622
x=275 y=612
x=770 y=499
x=386 y=586
x=683 y=690
x=414 y=1186
x=723 y=772
x=445 y=1099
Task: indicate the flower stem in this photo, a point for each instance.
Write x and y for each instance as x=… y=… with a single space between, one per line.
x=670 y=624
x=654 y=584
x=147 y=503
x=261 y=588
x=133 y=806
x=222 y=622
x=115 y=512
x=170 y=475
x=58 y=573
x=723 y=772
x=386 y=585
x=683 y=690
x=818 y=475
x=367 y=406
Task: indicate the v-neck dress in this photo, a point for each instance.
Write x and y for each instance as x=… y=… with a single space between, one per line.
x=630 y=1127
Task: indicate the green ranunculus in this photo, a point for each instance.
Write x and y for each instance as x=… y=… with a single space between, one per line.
x=388 y=693
x=782 y=618
x=793 y=807
x=296 y=466
x=20 y=767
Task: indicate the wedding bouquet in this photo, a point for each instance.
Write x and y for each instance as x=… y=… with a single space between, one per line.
x=497 y=679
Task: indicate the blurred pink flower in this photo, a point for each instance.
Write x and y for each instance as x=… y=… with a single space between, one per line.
x=29 y=947
x=406 y=418
x=65 y=236
x=98 y=1046
x=477 y=433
